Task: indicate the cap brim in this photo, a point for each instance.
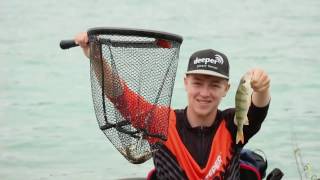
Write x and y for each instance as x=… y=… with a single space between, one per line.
x=209 y=73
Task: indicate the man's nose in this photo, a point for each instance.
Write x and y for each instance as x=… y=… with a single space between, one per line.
x=204 y=91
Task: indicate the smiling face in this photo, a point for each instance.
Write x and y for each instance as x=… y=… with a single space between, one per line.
x=204 y=95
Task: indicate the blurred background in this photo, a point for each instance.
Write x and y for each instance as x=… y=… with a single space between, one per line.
x=48 y=128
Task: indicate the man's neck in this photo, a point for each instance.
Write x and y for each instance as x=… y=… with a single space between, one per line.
x=202 y=121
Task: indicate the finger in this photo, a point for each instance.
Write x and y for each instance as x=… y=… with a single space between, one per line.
x=260 y=75
x=84 y=40
x=249 y=75
x=77 y=38
x=263 y=88
x=254 y=75
x=81 y=39
x=261 y=85
x=254 y=79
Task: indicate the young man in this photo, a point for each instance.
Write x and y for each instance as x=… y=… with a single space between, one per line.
x=201 y=140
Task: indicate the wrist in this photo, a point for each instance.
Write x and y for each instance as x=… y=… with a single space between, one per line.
x=261 y=99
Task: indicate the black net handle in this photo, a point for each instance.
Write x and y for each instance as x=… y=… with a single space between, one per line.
x=66 y=44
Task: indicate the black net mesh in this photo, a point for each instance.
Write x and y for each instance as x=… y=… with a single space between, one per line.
x=145 y=66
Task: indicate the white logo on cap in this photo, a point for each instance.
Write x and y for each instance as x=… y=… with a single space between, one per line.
x=217 y=59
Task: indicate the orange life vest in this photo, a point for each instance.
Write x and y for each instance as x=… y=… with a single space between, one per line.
x=218 y=158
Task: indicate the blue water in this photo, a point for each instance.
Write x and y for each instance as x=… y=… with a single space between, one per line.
x=48 y=128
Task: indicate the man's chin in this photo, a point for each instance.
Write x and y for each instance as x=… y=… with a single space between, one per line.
x=204 y=110
x=203 y=113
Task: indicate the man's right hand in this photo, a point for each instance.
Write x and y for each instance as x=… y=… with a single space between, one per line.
x=82 y=40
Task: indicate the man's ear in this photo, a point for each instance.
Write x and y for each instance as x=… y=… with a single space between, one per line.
x=227 y=87
x=185 y=82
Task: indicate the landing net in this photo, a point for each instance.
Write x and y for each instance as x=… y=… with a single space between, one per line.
x=132 y=78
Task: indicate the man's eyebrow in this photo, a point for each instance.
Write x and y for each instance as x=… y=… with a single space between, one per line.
x=198 y=78
x=215 y=81
x=211 y=80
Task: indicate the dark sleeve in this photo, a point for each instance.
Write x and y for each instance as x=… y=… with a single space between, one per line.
x=256 y=116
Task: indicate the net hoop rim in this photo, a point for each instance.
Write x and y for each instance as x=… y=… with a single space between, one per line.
x=135 y=32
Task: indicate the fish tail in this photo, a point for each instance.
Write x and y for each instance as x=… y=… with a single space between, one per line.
x=240 y=137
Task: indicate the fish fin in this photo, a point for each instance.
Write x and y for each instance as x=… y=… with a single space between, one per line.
x=235 y=120
x=246 y=121
x=240 y=137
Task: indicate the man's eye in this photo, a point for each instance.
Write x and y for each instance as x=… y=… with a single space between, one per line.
x=215 y=85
